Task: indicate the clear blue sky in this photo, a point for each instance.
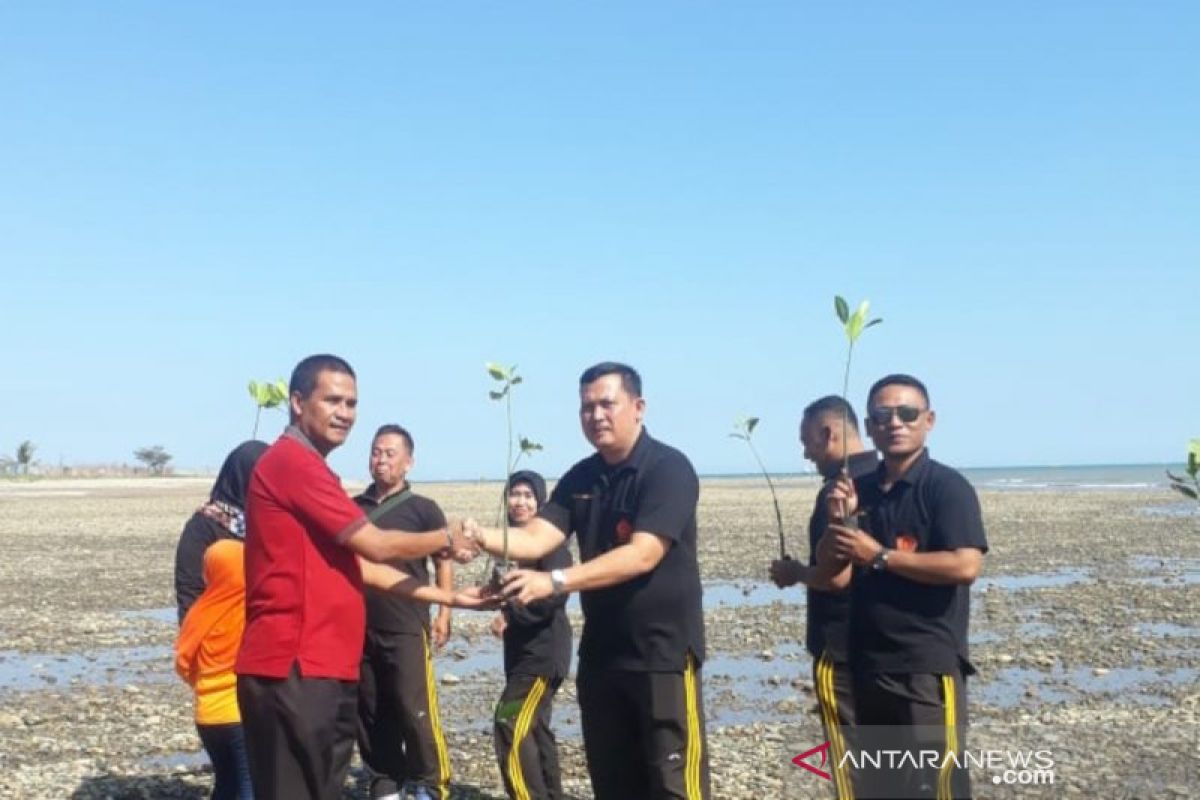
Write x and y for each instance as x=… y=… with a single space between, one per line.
x=192 y=195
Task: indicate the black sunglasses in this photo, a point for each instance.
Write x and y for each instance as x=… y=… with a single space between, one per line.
x=882 y=415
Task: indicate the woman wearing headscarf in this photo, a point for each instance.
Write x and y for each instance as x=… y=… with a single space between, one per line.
x=222 y=517
x=205 y=654
x=537 y=657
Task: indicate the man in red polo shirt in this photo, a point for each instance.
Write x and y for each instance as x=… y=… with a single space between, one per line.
x=305 y=618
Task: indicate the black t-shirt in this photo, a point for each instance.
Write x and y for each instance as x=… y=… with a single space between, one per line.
x=651 y=622
x=897 y=624
x=828 y=628
x=537 y=640
x=417 y=514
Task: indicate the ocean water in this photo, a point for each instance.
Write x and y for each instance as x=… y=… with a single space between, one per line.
x=1092 y=476
x=1060 y=478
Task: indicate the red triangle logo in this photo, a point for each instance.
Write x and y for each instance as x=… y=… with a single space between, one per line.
x=802 y=760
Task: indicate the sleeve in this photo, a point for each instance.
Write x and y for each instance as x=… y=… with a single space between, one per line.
x=318 y=499
x=668 y=497
x=957 y=518
x=543 y=610
x=189 y=563
x=433 y=517
x=558 y=509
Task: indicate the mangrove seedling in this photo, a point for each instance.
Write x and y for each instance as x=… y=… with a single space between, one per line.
x=508 y=378
x=1189 y=486
x=267 y=395
x=743 y=429
x=853 y=325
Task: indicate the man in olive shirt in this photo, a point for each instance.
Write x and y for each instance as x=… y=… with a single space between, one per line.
x=400 y=733
x=632 y=505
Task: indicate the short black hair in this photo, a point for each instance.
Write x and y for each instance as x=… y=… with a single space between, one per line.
x=898 y=379
x=304 y=376
x=393 y=428
x=631 y=382
x=833 y=404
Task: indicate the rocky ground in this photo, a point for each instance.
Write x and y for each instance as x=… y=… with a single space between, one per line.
x=1084 y=633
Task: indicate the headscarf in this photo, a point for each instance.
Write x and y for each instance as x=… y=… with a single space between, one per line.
x=227 y=502
x=533 y=480
x=212 y=630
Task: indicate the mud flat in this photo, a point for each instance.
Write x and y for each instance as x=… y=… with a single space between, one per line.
x=1085 y=634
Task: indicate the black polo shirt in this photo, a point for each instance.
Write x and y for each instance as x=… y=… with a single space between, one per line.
x=648 y=623
x=537 y=640
x=828 y=628
x=897 y=624
x=387 y=611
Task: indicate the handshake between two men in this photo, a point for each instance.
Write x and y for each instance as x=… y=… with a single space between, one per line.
x=465 y=539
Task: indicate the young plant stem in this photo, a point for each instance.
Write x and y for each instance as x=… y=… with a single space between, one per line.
x=845 y=412
x=508 y=474
x=774 y=498
x=257 y=416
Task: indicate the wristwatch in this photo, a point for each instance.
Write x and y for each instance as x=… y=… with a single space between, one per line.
x=879 y=562
x=558 y=580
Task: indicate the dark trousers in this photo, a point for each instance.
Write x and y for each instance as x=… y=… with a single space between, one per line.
x=834 y=687
x=299 y=735
x=923 y=714
x=525 y=745
x=226 y=748
x=643 y=733
x=400 y=732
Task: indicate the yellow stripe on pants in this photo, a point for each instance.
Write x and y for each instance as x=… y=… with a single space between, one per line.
x=946 y=774
x=827 y=700
x=695 y=744
x=524 y=719
x=439 y=738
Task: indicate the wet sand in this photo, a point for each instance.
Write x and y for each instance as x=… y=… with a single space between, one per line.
x=1085 y=634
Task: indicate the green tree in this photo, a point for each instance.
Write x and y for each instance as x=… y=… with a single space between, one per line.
x=25 y=455
x=155 y=458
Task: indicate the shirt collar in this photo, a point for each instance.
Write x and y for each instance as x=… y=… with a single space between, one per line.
x=912 y=475
x=636 y=457
x=863 y=463
x=299 y=435
x=371 y=493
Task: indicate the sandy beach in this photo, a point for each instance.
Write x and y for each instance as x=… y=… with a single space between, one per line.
x=1084 y=633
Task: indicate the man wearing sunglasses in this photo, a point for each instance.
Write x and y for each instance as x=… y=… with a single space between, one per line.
x=914 y=555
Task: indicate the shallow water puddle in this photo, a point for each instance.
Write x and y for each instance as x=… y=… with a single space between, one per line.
x=745 y=594
x=107 y=666
x=1167 y=571
x=1014 y=686
x=1035 y=580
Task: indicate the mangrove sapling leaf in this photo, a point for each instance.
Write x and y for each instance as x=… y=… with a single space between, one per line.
x=743 y=428
x=268 y=394
x=842 y=309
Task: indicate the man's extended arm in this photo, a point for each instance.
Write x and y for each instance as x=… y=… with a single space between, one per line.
x=530 y=542
x=377 y=545
x=642 y=554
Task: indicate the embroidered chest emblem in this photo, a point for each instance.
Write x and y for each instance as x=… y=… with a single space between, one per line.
x=624 y=530
x=906 y=542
